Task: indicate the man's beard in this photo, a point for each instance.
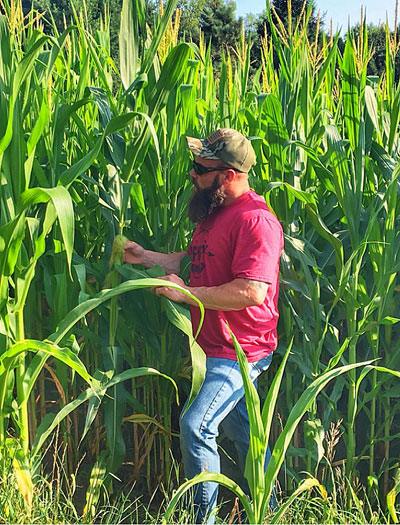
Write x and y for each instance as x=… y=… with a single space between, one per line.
x=204 y=202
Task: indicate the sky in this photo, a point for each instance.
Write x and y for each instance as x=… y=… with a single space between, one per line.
x=338 y=10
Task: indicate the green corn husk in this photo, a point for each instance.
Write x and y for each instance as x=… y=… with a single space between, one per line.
x=117 y=257
x=117 y=251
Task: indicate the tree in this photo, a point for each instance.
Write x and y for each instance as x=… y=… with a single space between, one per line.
x=60 y=12
x=57 y=10
x=190 y=18
x=219 y=24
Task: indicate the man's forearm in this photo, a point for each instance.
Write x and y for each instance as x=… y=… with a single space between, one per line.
x=235 y=295
x=170 y=262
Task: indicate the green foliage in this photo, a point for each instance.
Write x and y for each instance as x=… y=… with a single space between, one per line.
x=261 y=484
x=190 y=19
x=377 y=45
x=220 y=26
x=291 y=14
x=91 y=150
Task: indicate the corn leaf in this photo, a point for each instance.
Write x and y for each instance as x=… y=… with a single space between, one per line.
x=305 y=485
x=210 y=477
x=24 y=478
x=99 y=389
x=254 y=470
x=180 y=317
x=62 y=203
x=391 y=497
x=295 y=416
x=63 y=354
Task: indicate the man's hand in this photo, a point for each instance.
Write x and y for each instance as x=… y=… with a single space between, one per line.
x=134 y=253
x=170 y=293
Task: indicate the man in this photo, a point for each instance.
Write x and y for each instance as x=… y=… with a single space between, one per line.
x=235 y=254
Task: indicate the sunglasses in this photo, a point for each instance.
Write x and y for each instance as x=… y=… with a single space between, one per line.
x=199 y=169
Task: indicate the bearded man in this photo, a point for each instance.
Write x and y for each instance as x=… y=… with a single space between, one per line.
x=235 y=252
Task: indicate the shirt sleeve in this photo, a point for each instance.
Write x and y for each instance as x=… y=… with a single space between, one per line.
x=257 y=246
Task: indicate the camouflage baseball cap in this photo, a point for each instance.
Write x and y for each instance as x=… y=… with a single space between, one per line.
x=227 y=145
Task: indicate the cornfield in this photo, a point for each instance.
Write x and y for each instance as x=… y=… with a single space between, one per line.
x=93 y=365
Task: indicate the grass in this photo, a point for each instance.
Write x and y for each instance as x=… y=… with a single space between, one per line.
x=61 y=501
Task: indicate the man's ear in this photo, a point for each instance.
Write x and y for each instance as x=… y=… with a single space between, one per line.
x=229 y=175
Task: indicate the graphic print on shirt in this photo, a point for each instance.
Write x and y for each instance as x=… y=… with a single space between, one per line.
x=198 y=251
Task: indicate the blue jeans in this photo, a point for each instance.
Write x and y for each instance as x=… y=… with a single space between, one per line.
x=220 y=401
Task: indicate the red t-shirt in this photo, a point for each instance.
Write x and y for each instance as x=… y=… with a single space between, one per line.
x=242 y=240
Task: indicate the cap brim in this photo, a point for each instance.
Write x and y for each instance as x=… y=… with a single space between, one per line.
x=199 y=147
